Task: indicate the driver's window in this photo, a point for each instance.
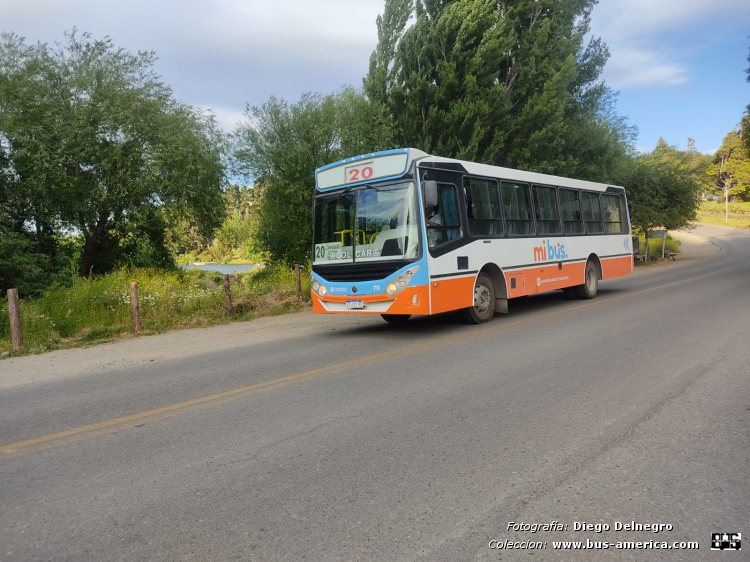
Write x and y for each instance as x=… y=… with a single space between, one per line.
x=443 y=220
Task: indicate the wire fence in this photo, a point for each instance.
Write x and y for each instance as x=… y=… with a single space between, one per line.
x=100 y=308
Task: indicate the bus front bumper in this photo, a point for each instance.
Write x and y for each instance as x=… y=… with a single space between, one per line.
x=412 y=300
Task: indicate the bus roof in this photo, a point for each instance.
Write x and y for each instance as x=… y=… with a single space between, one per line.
x=498 y=172
x=471 y=168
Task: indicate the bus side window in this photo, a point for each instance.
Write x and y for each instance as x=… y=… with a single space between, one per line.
x=545 y=201
x=612 y=216
x=483 y=207
x=449 y=227
x=517 y=205
x=592 y=212
x=570 y=208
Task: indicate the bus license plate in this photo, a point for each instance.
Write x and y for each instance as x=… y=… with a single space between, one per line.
x=355 y=304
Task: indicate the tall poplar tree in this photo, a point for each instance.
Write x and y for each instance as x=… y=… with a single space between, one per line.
x=500 y=82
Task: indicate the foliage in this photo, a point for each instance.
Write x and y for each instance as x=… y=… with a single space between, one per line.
x=505 y=84
x=746 y=118
x=96 y=145
x=654 y=245
x=20 y=266
x=98 y=308
x=662 y=187
x=730 y=169
x=280 y=146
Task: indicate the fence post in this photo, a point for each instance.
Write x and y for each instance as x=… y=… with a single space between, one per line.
x=227 y=295
x=135 y=311
x=299 y=282
x=14 y=311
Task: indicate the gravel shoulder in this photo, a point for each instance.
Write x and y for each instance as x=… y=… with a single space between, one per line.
x=36 y=369
x=693 y=247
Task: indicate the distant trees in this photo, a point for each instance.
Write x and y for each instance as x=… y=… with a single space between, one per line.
x=279 y=147
x=663 y=187
x=511 y=84
x=730 y=169
x=95 y=145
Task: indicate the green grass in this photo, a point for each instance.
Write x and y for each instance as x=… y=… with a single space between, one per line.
x=654 y=246
x=720 y=221
x=98 y=309
x=717 y=207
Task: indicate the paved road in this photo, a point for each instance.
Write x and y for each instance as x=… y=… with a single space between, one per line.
x=406 y=443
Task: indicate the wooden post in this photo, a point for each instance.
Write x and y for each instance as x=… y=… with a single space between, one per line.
x=135 y=312
x=299 y=282
x=227 y=295
x=14 y=311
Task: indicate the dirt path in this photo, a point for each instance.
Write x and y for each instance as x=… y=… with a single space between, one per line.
x=183 y=343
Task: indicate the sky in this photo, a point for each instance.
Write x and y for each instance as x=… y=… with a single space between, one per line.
x=678 y=65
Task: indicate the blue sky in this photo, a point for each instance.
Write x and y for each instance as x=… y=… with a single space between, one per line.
x=678 y=64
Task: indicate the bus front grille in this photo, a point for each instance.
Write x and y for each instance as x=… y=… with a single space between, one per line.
x=359 y=271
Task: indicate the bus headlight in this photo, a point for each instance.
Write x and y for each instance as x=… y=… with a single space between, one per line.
x=315 y=285
x=400 y=283
x=322 y=291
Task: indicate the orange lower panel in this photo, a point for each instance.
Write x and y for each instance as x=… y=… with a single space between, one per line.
x=403 y=303
x=452 y=294
x=546 y=278
x=616 y=267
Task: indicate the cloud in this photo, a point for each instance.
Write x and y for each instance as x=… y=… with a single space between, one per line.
x=227 y=119
x=336 y=31
x=624 y=20
x=224 y=53
x=631 y=67
x=651 y=42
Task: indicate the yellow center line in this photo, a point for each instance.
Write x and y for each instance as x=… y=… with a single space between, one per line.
x=135 y=420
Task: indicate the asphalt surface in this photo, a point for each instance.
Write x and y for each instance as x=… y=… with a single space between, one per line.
x=420 y=442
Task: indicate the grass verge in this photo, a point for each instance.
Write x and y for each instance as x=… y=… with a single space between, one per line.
x=97 y=310
x=721 y=221
x=654 y=246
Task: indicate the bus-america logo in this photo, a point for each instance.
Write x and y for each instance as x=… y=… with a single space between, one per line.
x=549 y=251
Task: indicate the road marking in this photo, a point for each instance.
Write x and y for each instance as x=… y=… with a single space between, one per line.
x=53 y=440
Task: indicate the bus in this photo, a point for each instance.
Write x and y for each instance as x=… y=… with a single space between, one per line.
x=401 y=233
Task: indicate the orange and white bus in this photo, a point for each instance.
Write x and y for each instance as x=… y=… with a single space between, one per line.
x=401 y=233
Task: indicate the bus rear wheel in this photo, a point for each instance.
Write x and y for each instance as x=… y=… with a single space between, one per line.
x=396 y=318
x=590 y=283
x=484 y=302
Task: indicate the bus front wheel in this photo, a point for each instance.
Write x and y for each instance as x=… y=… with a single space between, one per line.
x=590 y=283
x=484 y=302
x=396 y=318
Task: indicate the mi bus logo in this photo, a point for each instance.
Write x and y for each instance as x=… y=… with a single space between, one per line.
x=549 y=251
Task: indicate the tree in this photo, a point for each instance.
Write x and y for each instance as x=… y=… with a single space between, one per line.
x=281 y=145
x=730 y=169
x=502 y=83
x=662 y=187
x=101 y=148
x=746 y=118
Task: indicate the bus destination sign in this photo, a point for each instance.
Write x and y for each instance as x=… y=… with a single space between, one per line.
x=366 y=169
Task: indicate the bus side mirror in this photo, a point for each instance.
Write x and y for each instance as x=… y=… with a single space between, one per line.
x=430 y=193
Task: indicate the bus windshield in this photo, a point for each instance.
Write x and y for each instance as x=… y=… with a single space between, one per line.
x=370 y=223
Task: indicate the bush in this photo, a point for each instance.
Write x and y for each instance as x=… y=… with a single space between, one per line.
x=98 y=308
x=655 y=245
